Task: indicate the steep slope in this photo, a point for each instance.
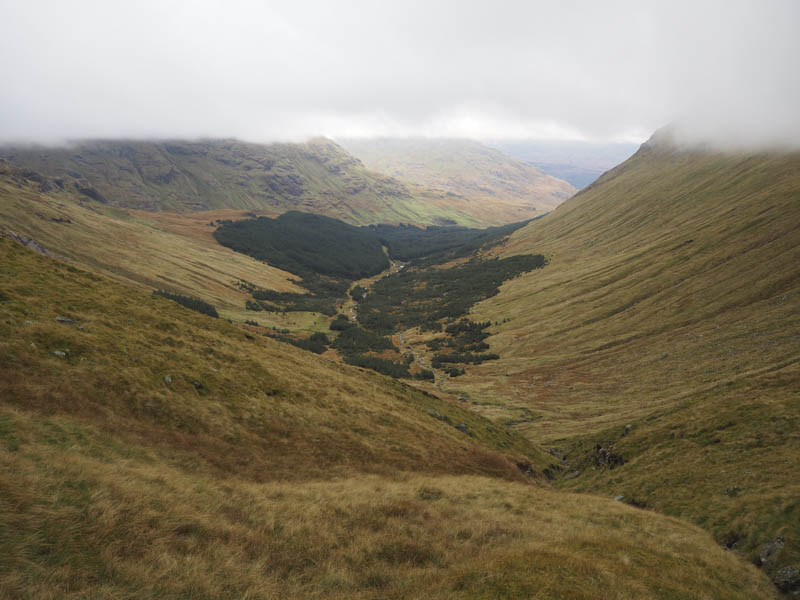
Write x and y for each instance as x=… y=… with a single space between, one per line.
x=500 y=189
x=147 y=451
x=317 y=176
x=150 y=250
x=671 y=304
x=230 y=398
x=181 y=252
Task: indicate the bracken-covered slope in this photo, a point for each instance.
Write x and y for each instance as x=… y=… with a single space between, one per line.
x=148 y=451
x=665 y=330
x=317 y=176
x=499 y=188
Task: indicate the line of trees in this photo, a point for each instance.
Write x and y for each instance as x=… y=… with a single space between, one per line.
x=195 y=304
x=427 y=297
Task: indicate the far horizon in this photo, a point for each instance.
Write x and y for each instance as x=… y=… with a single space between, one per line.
x=578 y=163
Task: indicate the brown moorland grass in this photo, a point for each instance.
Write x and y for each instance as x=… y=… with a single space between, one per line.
x=212 y=395
x=673 y=273
x=725 y=458
x=85 y=515
x=671 y=303
x=150 y=251
x=262 y=471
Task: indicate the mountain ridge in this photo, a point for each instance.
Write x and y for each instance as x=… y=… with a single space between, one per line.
x=316 y=176
x=214 y=174
x=465 y=168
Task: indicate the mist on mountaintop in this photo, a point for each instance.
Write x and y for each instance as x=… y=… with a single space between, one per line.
x=723 y=71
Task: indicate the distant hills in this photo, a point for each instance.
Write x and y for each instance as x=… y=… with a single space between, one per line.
x=318 y=176
x=579 y=163
x=492 y=182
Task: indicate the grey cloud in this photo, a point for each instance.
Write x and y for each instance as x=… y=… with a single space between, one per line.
x=728 y=70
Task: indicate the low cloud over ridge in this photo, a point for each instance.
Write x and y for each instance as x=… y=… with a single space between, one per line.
x=727 y=70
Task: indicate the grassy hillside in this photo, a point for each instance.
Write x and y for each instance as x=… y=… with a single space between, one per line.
x=231 y=394
x=317 y=176
x=671 y=304
x=150 y=250
x=146 y=450
x=499 y=188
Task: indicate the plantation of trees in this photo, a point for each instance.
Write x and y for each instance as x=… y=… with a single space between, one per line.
x=196 y=304
x=329 y=255
x=306 y=244
x=428 y=297
x=407 y=242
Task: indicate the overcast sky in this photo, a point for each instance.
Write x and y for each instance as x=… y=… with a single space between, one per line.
x=261 y=71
